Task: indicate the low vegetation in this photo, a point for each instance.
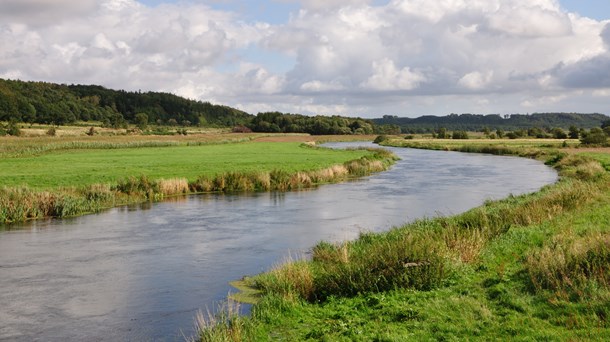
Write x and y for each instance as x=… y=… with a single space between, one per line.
x=69 y=179
x=530 y=267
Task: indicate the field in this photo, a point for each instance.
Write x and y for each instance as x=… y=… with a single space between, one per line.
x=532 y=267
x=80 y=167
x=73 y=174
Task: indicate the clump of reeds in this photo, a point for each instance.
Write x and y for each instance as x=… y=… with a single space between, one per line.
x=291 y=280
x=226 y=325
x=571 y=267
x=22 y=204
x=174 y=186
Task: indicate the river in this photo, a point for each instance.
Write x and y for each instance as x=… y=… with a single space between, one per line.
x=141 y=272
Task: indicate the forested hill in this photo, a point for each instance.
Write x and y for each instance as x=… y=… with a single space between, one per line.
x=473 y=122
x=42 y=102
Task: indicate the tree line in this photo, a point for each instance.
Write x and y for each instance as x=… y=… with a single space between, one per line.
x=60 y=104
x=477 y=122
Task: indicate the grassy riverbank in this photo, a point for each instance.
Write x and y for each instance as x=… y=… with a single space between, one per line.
x=530 y=267
x=70 y=177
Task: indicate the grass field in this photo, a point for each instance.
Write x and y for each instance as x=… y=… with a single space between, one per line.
x=63 y=176
x=80 y=167
x=532 y=267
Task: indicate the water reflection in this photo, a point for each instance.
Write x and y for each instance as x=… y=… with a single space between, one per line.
x=141 y=272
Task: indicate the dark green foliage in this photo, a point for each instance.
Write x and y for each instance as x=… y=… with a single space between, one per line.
x=459 y=135
x=12 y=128
x=573 y=132
x=441 y=133
x=276 y=122
x=558 y=133
x=41 y=102
x=141 y=120
x=595 y=136
x=380 y=138
x=475 y=122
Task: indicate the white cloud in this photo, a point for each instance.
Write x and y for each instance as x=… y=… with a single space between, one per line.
x=317 y=86
x=386 y=76
x=476 y=80
x=349 y=55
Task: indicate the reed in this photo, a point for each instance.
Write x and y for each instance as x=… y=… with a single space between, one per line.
x=174 y=186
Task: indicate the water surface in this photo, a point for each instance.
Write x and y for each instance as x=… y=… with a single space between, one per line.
x=142 y=272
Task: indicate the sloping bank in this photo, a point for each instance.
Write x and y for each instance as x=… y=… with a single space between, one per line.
x=531 y=267
x=18 y=204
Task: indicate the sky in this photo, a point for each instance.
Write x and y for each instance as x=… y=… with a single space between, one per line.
x=364 y=58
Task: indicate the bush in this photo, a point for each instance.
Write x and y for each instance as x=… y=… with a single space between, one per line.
x=13 y=129
x=459 y=135
x=594 y=139
x=380 y=139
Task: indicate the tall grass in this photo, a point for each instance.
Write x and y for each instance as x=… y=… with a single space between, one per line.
x=21 y=203
x=419 y=255
x=572 y=267
x=226 y=325
x=429 y=253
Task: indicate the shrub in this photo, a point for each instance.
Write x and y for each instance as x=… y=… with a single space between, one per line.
x=380 y=139
x=91 y=131
x=459 y=135
x=594 y=139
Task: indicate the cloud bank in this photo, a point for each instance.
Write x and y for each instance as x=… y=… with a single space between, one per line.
x=368 y=58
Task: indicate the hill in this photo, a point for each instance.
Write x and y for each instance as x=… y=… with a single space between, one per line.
x=42 y=102
x=475 y=122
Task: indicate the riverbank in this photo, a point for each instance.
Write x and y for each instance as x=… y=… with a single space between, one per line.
x=527 y=267
x=72 y=177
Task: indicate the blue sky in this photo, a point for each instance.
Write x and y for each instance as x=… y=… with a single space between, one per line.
x=278 y=12
x=350 y=57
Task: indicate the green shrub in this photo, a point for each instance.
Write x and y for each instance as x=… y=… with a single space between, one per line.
x=594 y=139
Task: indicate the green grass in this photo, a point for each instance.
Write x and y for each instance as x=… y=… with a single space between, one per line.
x=603 y=158
x=77 y=178
x=532 y=267
x=79 y=167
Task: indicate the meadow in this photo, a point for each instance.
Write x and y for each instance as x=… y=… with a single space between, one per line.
x=530 y=267
x=70 y=175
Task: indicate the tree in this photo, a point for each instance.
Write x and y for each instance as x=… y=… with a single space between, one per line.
x=500 y=133
x=558 y=133
x=13 y=128
x=141 y=120
x=594 y=139
x=486 y=131
x=596 y=136
x=442 y=133
x=573 y=132
x=459 y=135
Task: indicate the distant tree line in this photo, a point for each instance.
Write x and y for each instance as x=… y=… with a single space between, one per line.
x=476 y=122
x=60 y=104
x=276 y=122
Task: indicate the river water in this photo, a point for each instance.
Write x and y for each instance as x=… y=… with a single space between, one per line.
x=142 y=272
